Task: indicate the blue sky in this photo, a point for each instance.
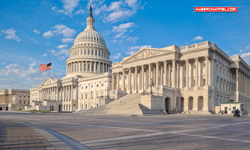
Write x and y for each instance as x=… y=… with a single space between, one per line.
x=39 y=32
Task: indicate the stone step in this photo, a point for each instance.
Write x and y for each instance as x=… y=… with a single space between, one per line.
x=128 y=104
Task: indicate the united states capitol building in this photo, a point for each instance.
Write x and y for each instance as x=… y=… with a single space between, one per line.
x=194 y=78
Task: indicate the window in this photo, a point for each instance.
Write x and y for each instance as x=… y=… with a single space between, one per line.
x=102 y=84
x=95 y=52
x=86 y=96
x=92 y=53
x=88 y=52
x=86 y=87
x=97 y=85
x=120 y=78
x=20 y=96
x=91 y=86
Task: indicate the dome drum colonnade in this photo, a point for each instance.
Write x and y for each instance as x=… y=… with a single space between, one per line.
x=89 y=54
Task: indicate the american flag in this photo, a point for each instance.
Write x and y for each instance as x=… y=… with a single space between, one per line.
x=45 y=67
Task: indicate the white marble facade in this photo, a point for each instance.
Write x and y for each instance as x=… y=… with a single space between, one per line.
x=87 y=77
x=14 y=99
x=195 y=77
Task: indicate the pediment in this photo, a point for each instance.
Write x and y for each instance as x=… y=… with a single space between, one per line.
x=49 y=81
x=146 y=53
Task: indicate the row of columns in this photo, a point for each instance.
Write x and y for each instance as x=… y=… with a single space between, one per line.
x=51 y=93
x=159 y=73
x=54 y=93
x=87 y=66
x=244 y=82
x=90 y=52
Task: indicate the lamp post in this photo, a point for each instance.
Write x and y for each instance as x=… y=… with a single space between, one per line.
x=151 y=84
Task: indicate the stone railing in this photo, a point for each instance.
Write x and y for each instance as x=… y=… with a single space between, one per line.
x=196 y=45
x=116 y=64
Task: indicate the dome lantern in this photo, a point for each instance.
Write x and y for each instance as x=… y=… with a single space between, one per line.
x=90 y=21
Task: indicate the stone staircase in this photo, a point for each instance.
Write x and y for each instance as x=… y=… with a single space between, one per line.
x=32 y=108
x=128 y=104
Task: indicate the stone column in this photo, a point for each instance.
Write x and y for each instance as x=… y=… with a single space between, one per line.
x=103 y=67
x=157 y=74
x=173 y=71
x=149 y=75
x=187 y=74
x=123 y=80
x=196 y=73
x=135 y=80
x=165 y=74
x=72 y=88
x=117 y=81
x=113 y=81
x=237 y=85
x=169 y=75
x=142 y=78
x=206 y=72
x=178 y=77
x=161 y=81
x=95 y=67
x=129 y=80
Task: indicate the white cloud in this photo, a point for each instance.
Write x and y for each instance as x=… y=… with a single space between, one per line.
x=64 y=30
x=122 y=29
x=12 y=66
x=132 y=39
x=60 y=29
x=118 y=15
x=197 y=38
x=106 y=32
x=32 y=64
x=44 y=55
x=68 y=7
x=134 y=49
x=116 y=11
x=83 y=23
x=114 y=41
x=61 y=46
x=2 y=63
x=61 y=57
x=248 y=47
x=117 y=56
x=34 y=40
x=246 y=56
x=66 y=40
x=47 y=44
x=11 y=34
x=80 y=12
x=48 y=34
x=36 y=31
x=60 y=52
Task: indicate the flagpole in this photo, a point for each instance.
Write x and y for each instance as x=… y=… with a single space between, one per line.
x=51 y=72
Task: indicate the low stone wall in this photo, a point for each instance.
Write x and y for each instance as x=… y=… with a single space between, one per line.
x=152 y=102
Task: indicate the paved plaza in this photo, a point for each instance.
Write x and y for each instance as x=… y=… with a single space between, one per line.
x=116 y=132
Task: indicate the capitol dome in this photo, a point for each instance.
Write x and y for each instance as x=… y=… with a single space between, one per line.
x=89 y=54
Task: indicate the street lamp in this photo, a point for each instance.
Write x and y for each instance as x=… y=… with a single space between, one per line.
x=151 y=84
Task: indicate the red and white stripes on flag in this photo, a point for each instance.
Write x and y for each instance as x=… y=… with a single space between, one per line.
x=45 y=67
